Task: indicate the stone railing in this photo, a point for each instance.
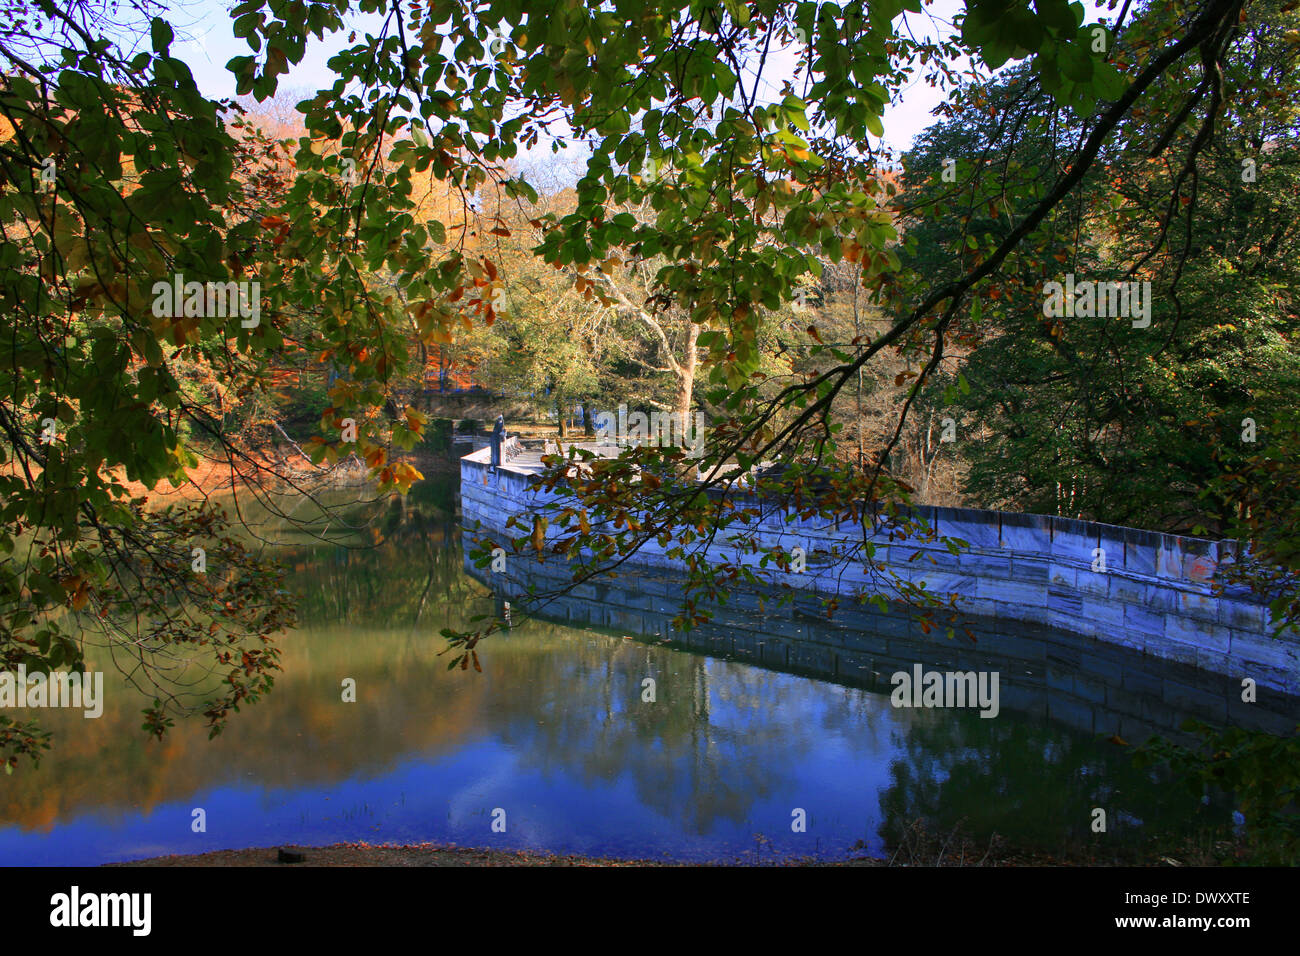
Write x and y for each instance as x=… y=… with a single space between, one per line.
x=1143 y=590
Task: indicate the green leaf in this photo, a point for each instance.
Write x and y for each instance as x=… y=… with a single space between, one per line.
x=160 y=33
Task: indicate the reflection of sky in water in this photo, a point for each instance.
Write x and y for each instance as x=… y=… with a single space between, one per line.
x=548 y=805
x=554 y=731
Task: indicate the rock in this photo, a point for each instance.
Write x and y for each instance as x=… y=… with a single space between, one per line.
x=288 y=854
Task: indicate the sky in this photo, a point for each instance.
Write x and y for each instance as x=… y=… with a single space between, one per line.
x=206 y=42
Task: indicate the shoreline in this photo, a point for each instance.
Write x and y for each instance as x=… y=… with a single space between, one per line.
x=439 y=854
x=925 y=853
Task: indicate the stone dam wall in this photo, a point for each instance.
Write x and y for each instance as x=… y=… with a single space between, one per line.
x=1091 y=686
x=1154 y=596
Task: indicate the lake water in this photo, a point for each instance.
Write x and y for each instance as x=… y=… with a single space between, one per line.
x=555 y=733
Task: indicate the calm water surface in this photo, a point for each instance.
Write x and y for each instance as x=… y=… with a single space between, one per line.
x=555 y=733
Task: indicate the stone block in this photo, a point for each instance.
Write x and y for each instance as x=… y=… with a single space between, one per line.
x=1199 y=567
x=1271 y=677
x=1029 y=570
x=1015 y=592
x=1249 y=647
x=1065 y=600
x=1026 y=534
x=1111 y=537
x=1106 y=615
x=1156 y=711
x=988 y=564
x=979 y=529
x=1073 y=541
x=1163 y=598
x=1018 y=613
x=1197 y=633
x=1170 y=557
x=946 y=583
x=1257 y=717
x=894 y=624
x=1064 y=576
x=1070 y=623
x=1177 y=651
x=1093 y=584
x=856 y=667
x=812 y=657
x=1214 y=662
x=1194 y=604
x=1125 y=589
x=1141 y=620
x=1140 y=550
x=1241 y=615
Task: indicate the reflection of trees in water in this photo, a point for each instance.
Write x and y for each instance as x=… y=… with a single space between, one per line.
x=1032 y=779
x=413 y=566
x=718 y=738
x=859 y=709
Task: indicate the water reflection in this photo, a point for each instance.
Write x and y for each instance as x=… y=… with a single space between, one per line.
x=554 y=731
x=1049 y=675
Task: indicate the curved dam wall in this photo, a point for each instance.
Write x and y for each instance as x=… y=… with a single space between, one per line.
x=1088 y=685
x=1154 y=596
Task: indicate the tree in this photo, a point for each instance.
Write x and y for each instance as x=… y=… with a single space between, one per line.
x=117 y=175
x=765 y=187
x=1102 y=417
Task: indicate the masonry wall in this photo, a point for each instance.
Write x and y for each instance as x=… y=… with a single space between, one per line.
x=1154 y=595
x=1095 y=687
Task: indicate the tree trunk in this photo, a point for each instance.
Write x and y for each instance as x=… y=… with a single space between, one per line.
x=686 y=378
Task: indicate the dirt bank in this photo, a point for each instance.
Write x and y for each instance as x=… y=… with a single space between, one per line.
x=422 y=854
